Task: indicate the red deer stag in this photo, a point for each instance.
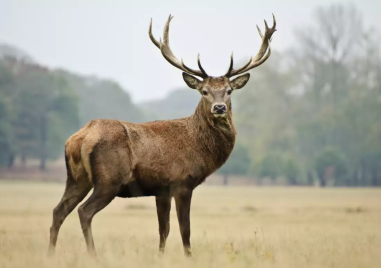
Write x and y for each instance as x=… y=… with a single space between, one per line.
x=164 y=159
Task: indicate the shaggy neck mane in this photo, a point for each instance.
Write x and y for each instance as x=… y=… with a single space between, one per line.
x=216 y=135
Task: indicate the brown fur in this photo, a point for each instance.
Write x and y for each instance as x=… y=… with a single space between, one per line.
x=165 y=159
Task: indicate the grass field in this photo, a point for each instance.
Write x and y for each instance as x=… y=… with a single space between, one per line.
x=231 y=227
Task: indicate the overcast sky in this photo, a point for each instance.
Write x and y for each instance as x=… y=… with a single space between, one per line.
x=109 y=38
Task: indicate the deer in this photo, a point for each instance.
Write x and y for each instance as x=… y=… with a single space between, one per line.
x=165 y=159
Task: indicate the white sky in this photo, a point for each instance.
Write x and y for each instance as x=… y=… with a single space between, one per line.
x=109 y=38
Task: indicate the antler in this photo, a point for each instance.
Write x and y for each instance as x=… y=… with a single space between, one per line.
x=260 y=57
x=169 y=56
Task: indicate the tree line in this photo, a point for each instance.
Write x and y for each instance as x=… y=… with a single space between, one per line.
x=310 y=115
x=38 y=111
x=315 y=110
x=40 y=108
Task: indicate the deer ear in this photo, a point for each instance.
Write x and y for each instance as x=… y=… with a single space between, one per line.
x=240 y=81
x=192 y=81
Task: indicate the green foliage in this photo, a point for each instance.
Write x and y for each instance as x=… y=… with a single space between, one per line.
x=238 y=162
x=6 y=80
x=40 y=108
x=275 y=165
x=323 y=93
x=330 y=159
x=372 y=167
x=101 y=99
x=5 y=131
x=291 y=170
x=44 y=113
x=270 y=166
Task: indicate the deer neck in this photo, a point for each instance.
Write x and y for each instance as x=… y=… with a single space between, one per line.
x=216 y=135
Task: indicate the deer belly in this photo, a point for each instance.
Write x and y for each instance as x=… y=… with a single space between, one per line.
x=136 y=189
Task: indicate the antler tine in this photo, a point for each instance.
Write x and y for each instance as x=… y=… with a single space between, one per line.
x=192 y=71
x=156 y=43
x=231 y=65
x=261 y=56
x=202 y=74
x=200 y=66
x=259 y=31
x=274 y=22
x=229 y=72
x=168 y=54
x=266 y=26
x=166 y=31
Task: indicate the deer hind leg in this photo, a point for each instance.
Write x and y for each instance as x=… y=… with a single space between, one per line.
x=163 y=207
x=109 y=167
x=107 y=180
x=99 y=199
x=183 y=202
x=74 y=193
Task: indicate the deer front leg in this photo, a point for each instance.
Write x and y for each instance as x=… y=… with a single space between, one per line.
x=183 y=202
x=163 y=207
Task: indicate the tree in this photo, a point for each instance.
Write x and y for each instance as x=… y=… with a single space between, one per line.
x=262 y=111
x=270 y=166
x=338 y=61
x=42 y=111
x=101 y=98
x=5 y=131
x=291 y=170
x=6 y=79
x=50 y=107
x=237 y=164
x=40 y=108
x=330 y=164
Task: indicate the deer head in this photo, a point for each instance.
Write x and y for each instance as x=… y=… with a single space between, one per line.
x=215 y=91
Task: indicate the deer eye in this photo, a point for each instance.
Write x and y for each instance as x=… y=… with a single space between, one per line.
x=204 y=92
x=230 y=91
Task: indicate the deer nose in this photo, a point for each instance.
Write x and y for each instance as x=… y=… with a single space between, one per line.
x=219 y=108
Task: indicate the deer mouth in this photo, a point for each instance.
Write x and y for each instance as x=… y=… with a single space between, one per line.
x=219 y=115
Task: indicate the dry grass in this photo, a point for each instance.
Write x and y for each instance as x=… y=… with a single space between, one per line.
x=231 y=227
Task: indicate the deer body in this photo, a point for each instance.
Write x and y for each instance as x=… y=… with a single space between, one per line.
x=166 y=159
x=152 y=158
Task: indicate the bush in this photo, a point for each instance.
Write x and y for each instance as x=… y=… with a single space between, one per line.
x=330 y=163
x=291 y=170
x=237 y=164
x=270 y=166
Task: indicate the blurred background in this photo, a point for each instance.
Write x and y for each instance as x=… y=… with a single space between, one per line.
x=311 y=115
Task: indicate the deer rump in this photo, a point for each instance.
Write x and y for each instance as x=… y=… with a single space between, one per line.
x=145 y=159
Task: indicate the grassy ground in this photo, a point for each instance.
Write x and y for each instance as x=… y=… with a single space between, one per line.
x=231 y=227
